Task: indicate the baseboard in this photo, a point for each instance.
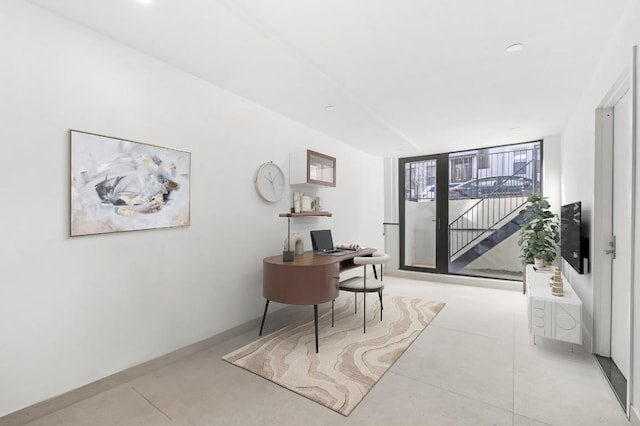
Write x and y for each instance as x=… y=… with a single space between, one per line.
x=457 y=279
x=66 y=399
x=633 y=417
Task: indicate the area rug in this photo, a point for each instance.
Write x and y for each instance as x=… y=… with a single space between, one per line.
x=349 y=362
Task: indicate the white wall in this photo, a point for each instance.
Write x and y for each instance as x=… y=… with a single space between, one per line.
x=73 y=310
x=577 y=153
x=391 y=190
x=552 y=171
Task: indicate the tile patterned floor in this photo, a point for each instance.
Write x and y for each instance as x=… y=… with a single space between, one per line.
x=474 y=365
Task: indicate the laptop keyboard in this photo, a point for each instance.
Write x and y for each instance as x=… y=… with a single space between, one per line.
x=333 y=252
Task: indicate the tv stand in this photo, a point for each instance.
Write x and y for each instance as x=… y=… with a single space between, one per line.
x=553 y=317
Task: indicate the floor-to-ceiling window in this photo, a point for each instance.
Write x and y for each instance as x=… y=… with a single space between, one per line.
x=459 y=211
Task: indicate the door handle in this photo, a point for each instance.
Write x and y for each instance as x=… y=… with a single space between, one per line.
x=612 y=250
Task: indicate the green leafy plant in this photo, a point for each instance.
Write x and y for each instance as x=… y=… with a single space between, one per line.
x=540 y=232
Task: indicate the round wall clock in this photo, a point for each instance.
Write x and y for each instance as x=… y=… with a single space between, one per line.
x=270 y=182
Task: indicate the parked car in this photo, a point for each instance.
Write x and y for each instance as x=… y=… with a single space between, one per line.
x=494 y=186
x=430 y=191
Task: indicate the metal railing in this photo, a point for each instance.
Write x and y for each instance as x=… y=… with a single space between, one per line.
x=499 y=204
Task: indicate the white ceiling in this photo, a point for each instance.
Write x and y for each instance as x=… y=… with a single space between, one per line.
x=405 y=77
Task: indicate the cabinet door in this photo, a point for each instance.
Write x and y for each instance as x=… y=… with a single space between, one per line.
x=567 y=323
x=311 y=167
x=539 y=318
x=321 y=169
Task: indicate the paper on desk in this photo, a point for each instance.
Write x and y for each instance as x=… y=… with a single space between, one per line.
x=351 y=246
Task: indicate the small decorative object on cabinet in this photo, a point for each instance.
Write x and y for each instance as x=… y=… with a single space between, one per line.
x=270 y=182
x=310 y=167
x=556 y=283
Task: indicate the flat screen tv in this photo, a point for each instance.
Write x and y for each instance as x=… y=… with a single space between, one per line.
x=573 y=244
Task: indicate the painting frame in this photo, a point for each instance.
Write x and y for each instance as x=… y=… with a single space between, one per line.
x=121 y=185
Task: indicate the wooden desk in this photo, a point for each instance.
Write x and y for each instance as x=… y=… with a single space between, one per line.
x=309 y=280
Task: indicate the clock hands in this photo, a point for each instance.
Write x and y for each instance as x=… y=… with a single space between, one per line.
x=273 y=177
x=273 y=185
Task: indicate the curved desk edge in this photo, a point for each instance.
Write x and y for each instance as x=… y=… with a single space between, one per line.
x=309 y=280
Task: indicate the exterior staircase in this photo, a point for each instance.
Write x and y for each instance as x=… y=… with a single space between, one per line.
x=485 y=224
x=492 y=238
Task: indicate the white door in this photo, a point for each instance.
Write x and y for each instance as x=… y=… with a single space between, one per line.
x=621 y=263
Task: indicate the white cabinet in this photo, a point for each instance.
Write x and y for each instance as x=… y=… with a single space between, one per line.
x=553 y=317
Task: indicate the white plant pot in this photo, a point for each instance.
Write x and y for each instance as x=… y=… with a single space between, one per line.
x=539 y=263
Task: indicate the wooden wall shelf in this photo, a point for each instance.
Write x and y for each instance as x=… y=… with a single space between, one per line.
x=304 y=214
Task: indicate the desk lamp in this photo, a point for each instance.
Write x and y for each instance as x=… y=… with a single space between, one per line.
x=288 y=254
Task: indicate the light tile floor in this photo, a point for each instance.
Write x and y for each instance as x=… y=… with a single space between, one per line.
x=475 y=364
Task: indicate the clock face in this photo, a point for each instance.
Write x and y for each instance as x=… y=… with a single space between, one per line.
x=270 y=182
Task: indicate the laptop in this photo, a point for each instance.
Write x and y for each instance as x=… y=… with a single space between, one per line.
x=323 y=243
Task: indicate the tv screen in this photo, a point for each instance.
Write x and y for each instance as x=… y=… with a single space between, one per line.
x=572 y=244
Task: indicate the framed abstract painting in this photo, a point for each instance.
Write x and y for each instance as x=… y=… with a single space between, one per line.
x=120 y=185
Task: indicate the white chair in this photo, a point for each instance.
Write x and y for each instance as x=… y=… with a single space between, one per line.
x=364 y=286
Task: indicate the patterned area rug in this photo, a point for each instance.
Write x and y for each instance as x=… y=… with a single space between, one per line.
x=349 y=362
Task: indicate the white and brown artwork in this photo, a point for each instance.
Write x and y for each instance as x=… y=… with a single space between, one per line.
x=120 y=185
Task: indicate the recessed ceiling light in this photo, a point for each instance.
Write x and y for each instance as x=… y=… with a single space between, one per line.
x=514 y=48
x=144 y=1
x=329 y=108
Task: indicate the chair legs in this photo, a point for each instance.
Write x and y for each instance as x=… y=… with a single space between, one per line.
x=364 y=291
x=364 y=308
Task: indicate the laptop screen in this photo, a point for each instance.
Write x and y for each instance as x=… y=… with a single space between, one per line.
x=321 y=240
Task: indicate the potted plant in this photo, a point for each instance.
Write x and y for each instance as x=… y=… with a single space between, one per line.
x=540 y=232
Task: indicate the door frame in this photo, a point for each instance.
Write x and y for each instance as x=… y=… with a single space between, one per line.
x=442 y=212
x=603 y=221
